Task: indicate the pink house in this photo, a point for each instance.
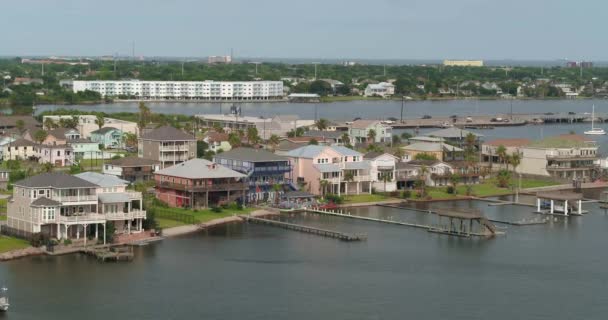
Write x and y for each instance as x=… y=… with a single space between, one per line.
x=330 y=169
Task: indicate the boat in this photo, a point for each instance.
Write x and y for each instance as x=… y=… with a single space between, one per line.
x=4 y=300
x=594 y=130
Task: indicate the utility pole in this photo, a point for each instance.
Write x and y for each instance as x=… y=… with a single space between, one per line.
x=315 y=64
x=402 y=106
x=182 y=70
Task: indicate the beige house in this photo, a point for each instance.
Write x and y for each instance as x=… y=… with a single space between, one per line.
x=19 y=149
x=167 y=145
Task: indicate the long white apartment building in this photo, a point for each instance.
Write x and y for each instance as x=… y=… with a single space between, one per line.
x=185 y=90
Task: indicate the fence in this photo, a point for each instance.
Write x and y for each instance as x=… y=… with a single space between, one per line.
x=8 y=231
x=169 y=214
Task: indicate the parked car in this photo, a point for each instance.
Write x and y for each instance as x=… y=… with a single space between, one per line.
x=426 y=116
x=469 y=119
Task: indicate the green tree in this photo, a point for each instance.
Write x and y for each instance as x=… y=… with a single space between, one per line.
x=234 y=140
x=145 y=116
x=322 y=124
x=425 y=156
x=371 y=135
x=40 y=136
x=313 y=141
x=20 y=124
x=49 y=124
x=100 y=121
x=252 y=135
x=273 y=141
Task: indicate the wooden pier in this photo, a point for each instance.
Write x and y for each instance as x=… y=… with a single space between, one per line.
x=105 y=254
x=350 y=216
x=307 y=229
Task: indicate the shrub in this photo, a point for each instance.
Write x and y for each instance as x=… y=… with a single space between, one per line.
x=406 y=194
x=394 y=194
x=216 y=209
x=334 y=198
x=450 y=190
x=39 y=239
x=67 y=242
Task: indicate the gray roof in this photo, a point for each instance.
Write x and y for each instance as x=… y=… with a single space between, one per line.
x=132 y=162
x=119 y=197
x=452 y=132
x=167 y=133
x=200 y=169
x=22 y=143
x=60 y=132
x=55 y=180
x=45 y=202
x=102 y=180
x=426 y=139
x=104 y=130
x=327 y=167
x=250 y=154
x=359 y=165
x=346 y=151
x=430 y=147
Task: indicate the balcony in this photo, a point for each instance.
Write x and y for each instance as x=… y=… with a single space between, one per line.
x=83 y=218
x=183 y=148
x=361 y=178
x=174 y=158
x=571 y=156
x=133 y=195
x=79 y=198
x=204 y=188
x=569 y=168
x=134 y=214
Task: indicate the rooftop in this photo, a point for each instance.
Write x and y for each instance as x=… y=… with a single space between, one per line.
x=431 y=147
x=55 y=180
x=199 y=169
x=560 y=195
x=563 y=141
x=102 y=180
x=311 y=151
x=167 y=133
x=104 y=130
x=364 y=124
x=250 y=154
x=509 y=142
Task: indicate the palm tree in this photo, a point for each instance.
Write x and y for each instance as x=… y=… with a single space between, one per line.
x=252 y=135
x=422 y=181
x=371 y=135
x=348 y=177
x=40 y=136
x=515 y=160
x=399 y=153
x=277 y=188
x=217 y=128
x=100 y=121
x=454 y=179
x=129 y=139
x=47 y=167
x=470 y=140
x=273 y=141
x=501 y=152
x=345 y=139
x=234 y=140
x=322 y=124
x=144 y=116
x=20 y=124
x=323 y=186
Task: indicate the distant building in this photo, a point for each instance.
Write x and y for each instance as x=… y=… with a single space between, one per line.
x=185 y=90
x=19 y=149
x=382 y=89
x=217 y=142
x=109 y=137
x=382 y=170
x=463 y=63
x=60 y=155
x=27 y=81
x=61 y=136
x=440 y=151
x=167 y=145
x=86 y=124
x=581 y=64
x=359 y=131
x=266 y=127
x=4 y=177
x=219 y=59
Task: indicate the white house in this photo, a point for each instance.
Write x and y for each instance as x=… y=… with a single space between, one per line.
x=382 y=170
x=383 y=89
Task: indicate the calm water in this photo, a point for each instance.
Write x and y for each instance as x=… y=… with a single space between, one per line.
x=553 y=271
x=363 y=109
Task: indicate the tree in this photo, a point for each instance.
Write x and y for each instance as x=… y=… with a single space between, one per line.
x=40 y=136
x=100 y=120
x=399 y=153
x=277 y=188
x=345 y=139
x=322 y=124
x=273 y=141
x=349 y=176
x=501 y=152
x=425 y=156
x=323 y=186
x=145 y=116
x=217 y=128
x=20 y=124
x=129 y=139
x=371 y=135
x=454 y=179
x=470 y=140
x=396 y=140
x=49 y=124
x=47 y=167
x=320 y=87
x=201 y=148
x=502 y=178
x=252 y=135
x=406 y=135
x=313 y=141
x=234 y=140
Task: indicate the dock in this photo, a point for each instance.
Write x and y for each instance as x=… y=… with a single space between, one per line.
x=350 y=216
x=306 y=229
x=105 y=254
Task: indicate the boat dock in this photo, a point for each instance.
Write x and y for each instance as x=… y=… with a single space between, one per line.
x=306 y=229
x=348 y=215
x=105 y=254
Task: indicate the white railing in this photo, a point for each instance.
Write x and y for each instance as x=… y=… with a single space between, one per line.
x=89 y=217
x=134 y=214
x=363 y=178
x=133 y=195
x=80 y=198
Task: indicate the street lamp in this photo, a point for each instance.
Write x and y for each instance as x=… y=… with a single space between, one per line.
x=403 y=98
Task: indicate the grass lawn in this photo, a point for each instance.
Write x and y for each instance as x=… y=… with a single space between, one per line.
x=168 y=223
x=10 y=243
x=359 y=198
x=3 y=203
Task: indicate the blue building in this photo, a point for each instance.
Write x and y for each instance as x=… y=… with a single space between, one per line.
x=109 y=137
x=268 y=175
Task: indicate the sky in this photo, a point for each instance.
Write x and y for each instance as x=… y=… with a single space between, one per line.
x=323 y=29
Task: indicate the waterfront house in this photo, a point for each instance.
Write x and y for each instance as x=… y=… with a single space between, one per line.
x=329 y=136
x=63 y=206
x=167 y=145
x=60 y=136
x=330 y=169
x=382 y=89
x=277 y=125
x=564 y=157
x=19 y=149
x=217 y=141
x=359 y=131
x=58 y=155
x=5 y=140
x=268 y=175
x=433 y=172
x=132 y=169
x=198 y=183
x=10 y=122
x=382 y=170
x=436 y=150
x=4 y=178
x=108 y=137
